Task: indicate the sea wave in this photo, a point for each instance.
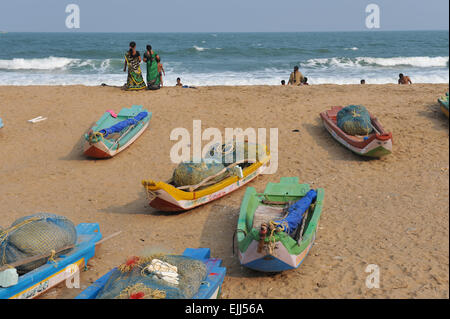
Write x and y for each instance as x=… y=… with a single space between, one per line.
x=419 y=62
x=49 y=63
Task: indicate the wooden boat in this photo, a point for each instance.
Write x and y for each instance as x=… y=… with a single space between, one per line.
x=443 y=101
x=100 y=144
x=208 y=290
x=38 y=281
x=275 y=251
x=164 y=196
x=376 y=144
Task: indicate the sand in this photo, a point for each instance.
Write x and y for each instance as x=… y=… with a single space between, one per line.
x=391 y=212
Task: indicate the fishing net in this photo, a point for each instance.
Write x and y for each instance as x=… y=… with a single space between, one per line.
x=354 y=120
x=133 y=280
x=190 y=173
x=35 y=235
x=234 y=152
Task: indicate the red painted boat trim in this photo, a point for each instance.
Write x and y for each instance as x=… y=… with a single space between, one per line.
x=96 y=153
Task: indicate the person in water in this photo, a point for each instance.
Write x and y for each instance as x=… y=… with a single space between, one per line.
x=160 y=70
x=179 y=82
x=135 y=81
x=296 y=77
x=283 y=82
x=153 y=78
x=403 y=79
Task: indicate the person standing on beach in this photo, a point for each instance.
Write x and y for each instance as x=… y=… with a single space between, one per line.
x=135 y=81
x=402 y=79
x=160 y=70
x=296 y=77
x=153 y=78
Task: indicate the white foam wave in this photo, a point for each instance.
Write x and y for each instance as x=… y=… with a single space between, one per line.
x=200 y=49
x=420 y=62
x=49 y=63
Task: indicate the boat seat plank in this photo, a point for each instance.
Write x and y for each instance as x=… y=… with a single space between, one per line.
x=266 y=213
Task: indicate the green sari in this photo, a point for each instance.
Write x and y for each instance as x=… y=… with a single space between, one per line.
x=153 y=77
x=135 y=81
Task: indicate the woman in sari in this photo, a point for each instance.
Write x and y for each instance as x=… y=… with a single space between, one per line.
x=153 y=77
x=135 y=81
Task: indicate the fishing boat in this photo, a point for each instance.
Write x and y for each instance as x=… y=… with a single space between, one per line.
x=210 y=288
x=377 y=144
x=40 y=280
x=165 y=196
x=264 y=242
x=115 y=132
x=443 y=101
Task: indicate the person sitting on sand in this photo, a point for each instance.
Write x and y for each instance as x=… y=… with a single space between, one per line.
x=363 y=81
x=403 y=79
x=160 y=70
x=179 y=82
x=283 y=82
x=153 y=78
x=305 y=81
x=296 y=77
x=135 y=81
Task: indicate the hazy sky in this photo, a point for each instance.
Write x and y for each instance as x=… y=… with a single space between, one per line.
x=222 y=16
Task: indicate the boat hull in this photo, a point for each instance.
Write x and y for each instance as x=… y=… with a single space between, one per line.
x=209 y=290
x=375 y=145
x=278 y=261
x=40 y=280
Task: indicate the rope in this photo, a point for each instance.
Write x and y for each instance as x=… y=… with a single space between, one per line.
x=95 y=137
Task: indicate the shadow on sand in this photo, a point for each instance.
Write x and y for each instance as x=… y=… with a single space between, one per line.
x=434 y=114
x=217 y=234
x=335 y=150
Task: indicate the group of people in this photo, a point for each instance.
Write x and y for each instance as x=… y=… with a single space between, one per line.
x=155 y=69
x=297 y=78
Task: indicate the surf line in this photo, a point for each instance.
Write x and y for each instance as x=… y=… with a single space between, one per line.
x=196 y=309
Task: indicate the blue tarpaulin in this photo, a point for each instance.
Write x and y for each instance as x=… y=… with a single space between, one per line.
x=124 y=124
x=296 y=212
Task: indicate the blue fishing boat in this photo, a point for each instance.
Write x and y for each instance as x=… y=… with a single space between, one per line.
x=209 y=289
x=38 y=281
x=115 y=132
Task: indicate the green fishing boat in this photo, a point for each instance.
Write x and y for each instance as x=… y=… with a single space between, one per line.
x=276 y=229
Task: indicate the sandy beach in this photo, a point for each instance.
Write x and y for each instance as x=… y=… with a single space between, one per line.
x=392 y=212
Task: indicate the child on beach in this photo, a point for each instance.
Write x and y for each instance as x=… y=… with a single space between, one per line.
x=160 y=69
x=283 y=82
x=179 y=82
x=305 y=81
x=403 y=79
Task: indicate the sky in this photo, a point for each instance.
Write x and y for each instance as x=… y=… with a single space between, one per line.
x=222 y=16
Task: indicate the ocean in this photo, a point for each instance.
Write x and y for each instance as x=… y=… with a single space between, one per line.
x=227 y=58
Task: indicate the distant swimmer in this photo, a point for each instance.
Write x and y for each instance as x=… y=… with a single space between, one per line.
x=283 y=82
x=403 y=79
x=296 y=77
